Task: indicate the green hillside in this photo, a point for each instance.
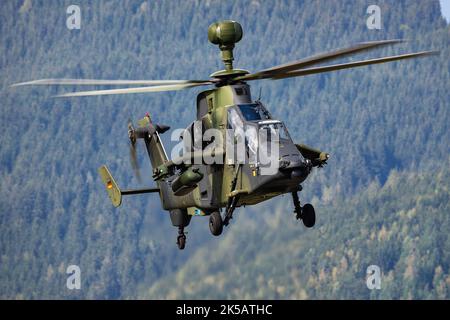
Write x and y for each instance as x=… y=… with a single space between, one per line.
x=383 y=125
x=400 y=226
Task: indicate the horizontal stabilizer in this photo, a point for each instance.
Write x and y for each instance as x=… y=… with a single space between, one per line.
x=139 y=191
x=114 y=192
x=111 y=186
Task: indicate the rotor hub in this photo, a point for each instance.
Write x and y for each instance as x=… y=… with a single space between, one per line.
x=228 y=74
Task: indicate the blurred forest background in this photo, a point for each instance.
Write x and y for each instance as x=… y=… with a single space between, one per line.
x=383 y=199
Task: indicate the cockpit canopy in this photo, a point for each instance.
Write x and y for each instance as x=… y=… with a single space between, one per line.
x=253 y=112
x=252 y=125
x=255 y=117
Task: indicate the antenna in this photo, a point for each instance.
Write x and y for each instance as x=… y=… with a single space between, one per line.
x=259 y=97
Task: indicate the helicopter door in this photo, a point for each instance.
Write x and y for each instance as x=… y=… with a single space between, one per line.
x=241 y=149
x=244 y=137
x=197 y=130
x=235 y=139
x=251 y=143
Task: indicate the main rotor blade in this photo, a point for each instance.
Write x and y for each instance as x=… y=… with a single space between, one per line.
x=133 y=90
x=318 y=58
x=305 y=72
x=94 y=82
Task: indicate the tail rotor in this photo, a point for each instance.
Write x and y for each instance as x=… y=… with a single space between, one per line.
x=133 y=152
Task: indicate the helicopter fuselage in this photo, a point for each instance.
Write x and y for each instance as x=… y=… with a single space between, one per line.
x=231 y=111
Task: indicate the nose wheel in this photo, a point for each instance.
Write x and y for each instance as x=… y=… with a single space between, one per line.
x=306 y=213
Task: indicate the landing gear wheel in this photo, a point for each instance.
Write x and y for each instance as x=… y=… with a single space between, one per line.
x=308 y=215
x=215 y=223
x=181 y=242
x=181 y=239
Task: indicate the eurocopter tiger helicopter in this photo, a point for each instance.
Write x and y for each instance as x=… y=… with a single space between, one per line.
x=195 y=188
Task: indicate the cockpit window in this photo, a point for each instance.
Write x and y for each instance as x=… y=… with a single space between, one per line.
x=234 y=120
x=251 y=126
x=273 y=130
x=252 y=112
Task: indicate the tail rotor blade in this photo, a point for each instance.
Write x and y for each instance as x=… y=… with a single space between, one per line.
x=135 y=163
x=133 y=153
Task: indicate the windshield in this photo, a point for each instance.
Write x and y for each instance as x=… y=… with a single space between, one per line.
x=252 y=112
x=254 y=134
x=272 y=130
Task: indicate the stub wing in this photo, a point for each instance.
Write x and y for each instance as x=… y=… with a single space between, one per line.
x=318 y=158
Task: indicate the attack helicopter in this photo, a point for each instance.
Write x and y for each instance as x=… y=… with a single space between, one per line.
x=188 y=185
